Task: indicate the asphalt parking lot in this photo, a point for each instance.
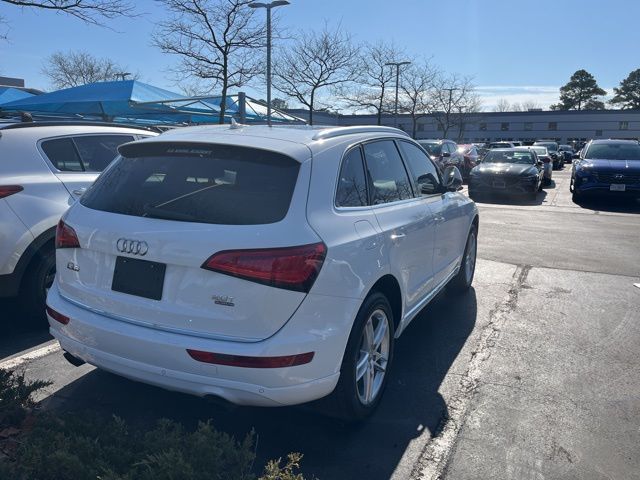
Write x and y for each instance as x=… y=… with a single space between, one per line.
x=532 y=374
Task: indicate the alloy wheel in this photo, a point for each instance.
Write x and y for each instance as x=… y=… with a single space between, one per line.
x=373 y=358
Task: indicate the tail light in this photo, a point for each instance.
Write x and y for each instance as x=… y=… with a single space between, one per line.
x=6 y=190
x=251 y=362
x=291 y=268
x=66 y=236
x=63 y=319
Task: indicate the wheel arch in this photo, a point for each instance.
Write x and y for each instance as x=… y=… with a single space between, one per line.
x=34 y=251
x=389 y=286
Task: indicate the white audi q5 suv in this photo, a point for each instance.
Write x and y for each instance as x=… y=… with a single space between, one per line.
x=264 y=265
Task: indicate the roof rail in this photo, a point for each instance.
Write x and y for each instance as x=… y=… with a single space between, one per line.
x=340 y=131
x=83 y=123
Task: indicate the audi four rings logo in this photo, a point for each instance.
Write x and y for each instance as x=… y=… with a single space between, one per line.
x=618 y=176
x=134 y=247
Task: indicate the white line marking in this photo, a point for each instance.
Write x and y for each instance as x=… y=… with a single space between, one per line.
x=15 y=362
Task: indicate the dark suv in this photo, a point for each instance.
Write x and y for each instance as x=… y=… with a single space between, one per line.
x=444 y=153
x=607 y=166
x=554 y=152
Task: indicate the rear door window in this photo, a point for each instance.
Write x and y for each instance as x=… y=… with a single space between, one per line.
x=386 y=170
x=62 y=153
x=352 y=184
x=84 y=153
x=98 y=151
x=215 y=184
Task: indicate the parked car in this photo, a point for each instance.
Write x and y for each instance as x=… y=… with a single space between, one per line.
x=215 y=261
x=514 y=171
x=557 y=157
x=44 y=167
x=567 y=151
x=545 y=157
x=444 y=153
x=471 y=157
x=493 y=145
x=609 y=167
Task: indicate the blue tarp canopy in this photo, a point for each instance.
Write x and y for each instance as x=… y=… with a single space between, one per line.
x=10 y=94
x=132 y=100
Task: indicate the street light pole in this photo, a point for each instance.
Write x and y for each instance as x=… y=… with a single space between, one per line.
x=397 y=65
x=269 y=6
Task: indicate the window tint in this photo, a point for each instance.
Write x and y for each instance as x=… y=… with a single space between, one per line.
x=90 y=153
x=214 y=184
x=62 y=154
x=352 y=184
x=388 y=175
x=613 y=151
x=98 y=151
x=425 y=175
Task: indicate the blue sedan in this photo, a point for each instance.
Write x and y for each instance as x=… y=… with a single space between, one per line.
x=609 y=167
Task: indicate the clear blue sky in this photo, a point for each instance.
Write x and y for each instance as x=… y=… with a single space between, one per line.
x=515 y=49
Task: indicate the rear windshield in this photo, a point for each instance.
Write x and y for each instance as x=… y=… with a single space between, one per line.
x=613 y=151
x=216 y=184
x=434 y=149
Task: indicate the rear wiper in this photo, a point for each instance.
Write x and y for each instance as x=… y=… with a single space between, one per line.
x=155 y=212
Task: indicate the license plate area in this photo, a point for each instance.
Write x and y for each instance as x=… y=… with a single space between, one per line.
x=138 y=277
x=617 y=187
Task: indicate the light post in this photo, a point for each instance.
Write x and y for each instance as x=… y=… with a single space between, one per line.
x=397 y=65
x=122 y=75
x=269 y=6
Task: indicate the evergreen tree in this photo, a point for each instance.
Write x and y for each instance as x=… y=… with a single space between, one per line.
x=580 y=93
x=628 y=94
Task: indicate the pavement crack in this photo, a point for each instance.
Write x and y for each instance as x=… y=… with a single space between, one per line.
x=436 y=453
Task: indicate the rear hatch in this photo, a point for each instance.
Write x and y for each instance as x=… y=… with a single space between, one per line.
x=179 y=239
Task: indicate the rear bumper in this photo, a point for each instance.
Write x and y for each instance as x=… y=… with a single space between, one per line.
x=160 y=358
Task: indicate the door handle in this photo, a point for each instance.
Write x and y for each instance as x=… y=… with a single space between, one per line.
x=397 y=236
x=79 y=191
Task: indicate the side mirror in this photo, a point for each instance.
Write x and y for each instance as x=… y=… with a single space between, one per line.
x=428 y=184
x=452 y=179
x=540 y=163
x=575 y=156
x=445 y=154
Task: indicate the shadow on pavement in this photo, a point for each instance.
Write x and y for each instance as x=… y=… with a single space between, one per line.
x=610 y=204
x=506 y=199
x=332 y=449
x=19 y=332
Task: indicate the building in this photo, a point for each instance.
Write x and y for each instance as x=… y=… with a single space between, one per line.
x=565 y=127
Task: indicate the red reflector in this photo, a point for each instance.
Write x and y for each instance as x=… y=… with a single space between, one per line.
x=63 y=319
x=293 y=268
x=251 y=362
x=66 y=236
x=6 y=190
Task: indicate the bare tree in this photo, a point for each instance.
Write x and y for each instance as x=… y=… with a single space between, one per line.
x=502 y=105
x=416 y=86
x=218 y=41
x=375 y=79
x=466 y=112
x=318 y=60
x=89 y=11
x=529 y=105
x=452 y=98
x=76 y=68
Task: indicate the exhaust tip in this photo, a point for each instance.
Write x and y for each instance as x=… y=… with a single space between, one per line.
x=75 y=361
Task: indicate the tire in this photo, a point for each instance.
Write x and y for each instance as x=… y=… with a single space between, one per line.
x=576 y=196
x=463 y=280
x=35 y=285
x=351 y=400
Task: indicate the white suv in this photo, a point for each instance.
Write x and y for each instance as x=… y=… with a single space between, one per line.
x=44 y=167
x=267 y=266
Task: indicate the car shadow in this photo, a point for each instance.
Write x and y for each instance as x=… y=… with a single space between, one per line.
x=505 y=199
x=412 y=405
x=19 y=331
x=610 y=204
